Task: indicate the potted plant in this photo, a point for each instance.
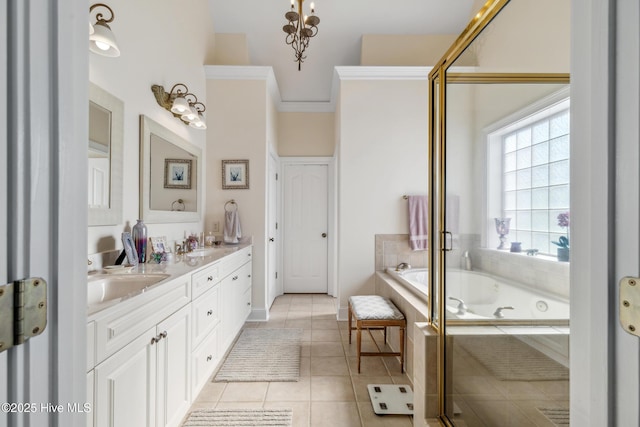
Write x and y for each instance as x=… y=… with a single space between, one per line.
x=563 y=241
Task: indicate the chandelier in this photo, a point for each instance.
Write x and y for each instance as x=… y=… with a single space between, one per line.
x=299 y=31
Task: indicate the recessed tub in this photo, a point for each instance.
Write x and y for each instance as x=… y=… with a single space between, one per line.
x=483 y=294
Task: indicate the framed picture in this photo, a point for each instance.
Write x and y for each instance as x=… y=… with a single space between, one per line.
x=235 y=174
x=177 y=173
x=159 y=245
x=129 y=248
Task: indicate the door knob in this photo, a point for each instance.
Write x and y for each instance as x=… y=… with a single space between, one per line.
x=271 y=239
x=324 y=234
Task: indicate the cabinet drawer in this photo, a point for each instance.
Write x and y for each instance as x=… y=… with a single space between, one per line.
x=206 y=314
x=205 y=279
x=139 y=314
x=235 y=261
x=205 y=359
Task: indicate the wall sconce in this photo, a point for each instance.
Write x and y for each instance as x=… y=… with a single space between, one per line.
x=182 y=104
x=101 y=39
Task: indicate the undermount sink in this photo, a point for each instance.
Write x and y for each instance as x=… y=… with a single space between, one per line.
x=107 y=287
x=204 y=252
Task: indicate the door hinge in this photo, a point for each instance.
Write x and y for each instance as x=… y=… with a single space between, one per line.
x=276 y=176
x=23 y=311
x=630 y=305
x=276 y=225
x=276 y=274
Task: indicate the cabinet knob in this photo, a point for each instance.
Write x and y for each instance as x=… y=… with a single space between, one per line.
x=272 y=239
x=234 y=278
x=209 y=357
x=163 y=335
x=209 y=313
x=248 y=303
x=153 y=340
x=248 y=275
x=210 y=279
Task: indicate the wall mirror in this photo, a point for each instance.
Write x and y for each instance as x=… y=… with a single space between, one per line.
x=170 y=175
x=106 y=132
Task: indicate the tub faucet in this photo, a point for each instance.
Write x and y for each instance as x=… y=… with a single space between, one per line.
x=462 y=307
x=499 y=314
x=403 y=266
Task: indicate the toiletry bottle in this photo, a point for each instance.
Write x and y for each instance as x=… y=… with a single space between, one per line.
x=140 y=240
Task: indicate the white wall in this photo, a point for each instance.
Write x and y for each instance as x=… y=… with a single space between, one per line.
x=240 y=126
x=382 y=155
x=155 y=49
x=306 y=134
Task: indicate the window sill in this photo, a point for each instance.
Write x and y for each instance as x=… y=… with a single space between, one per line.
x=534 y=258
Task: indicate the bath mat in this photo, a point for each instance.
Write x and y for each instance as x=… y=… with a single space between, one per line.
x=240 y=417
x=262 y=354
x=558 y=416
x=509 y=359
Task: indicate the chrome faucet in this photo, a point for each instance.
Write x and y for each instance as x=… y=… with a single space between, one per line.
x=499 y=314
x=403 y=266
x=462 y=307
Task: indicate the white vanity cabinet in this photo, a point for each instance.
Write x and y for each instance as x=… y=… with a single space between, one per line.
x=149 y=355
x=147 y=383
x=235 y=291
x=219 y=313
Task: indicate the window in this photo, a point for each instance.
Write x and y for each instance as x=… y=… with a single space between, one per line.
x=531 y=153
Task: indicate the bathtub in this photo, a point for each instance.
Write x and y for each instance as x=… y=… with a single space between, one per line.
x=483 y=294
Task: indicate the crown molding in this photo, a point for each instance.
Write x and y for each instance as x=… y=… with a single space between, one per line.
x=383 y=73
x=255 y=72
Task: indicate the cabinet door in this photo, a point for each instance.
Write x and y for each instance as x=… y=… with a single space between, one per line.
x=174 y=374
x=125 y=385
x=206 y=315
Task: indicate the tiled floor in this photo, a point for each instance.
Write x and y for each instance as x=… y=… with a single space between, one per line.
x=330 y=391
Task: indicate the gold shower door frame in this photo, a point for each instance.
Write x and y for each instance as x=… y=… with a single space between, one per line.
x=439 y=78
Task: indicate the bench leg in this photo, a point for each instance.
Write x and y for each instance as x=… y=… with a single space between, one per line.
x=359 y=344
x=349 y=311
x=402 y=329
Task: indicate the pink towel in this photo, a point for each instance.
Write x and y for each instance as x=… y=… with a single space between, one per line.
x=419 y=222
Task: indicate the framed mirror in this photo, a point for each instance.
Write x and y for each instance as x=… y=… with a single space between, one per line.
x=170 y=175
x=106 y=134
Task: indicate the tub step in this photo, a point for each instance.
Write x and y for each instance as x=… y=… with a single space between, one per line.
x=391 y=399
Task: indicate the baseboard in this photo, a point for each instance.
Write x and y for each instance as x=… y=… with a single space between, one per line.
x=258 y=315
x=343 y=314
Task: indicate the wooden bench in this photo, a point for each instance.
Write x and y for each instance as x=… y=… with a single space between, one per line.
x=375 y=312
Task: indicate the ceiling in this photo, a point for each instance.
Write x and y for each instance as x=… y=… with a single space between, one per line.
x=342 y=24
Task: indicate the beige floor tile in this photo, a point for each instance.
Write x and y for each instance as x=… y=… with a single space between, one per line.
x=329 y=366
x=325 y=335
x=289 y=391
x=360 y=386
x=371 y=419
x=334 y=414
x=324 y=324
x=301 y=411
x=303 y=308
x=500 y=414
x=324 y=349
x=239 y=405
x=298 y=315
x=331 y=389
x=305 y=366
x=244 y=392
x=211 y=392
x=300 y=323
x=369 y=366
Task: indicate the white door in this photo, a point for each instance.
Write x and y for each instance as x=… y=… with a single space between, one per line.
x=273 y=238
x=43 y=203
x=627 y=209
x=305 y=228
